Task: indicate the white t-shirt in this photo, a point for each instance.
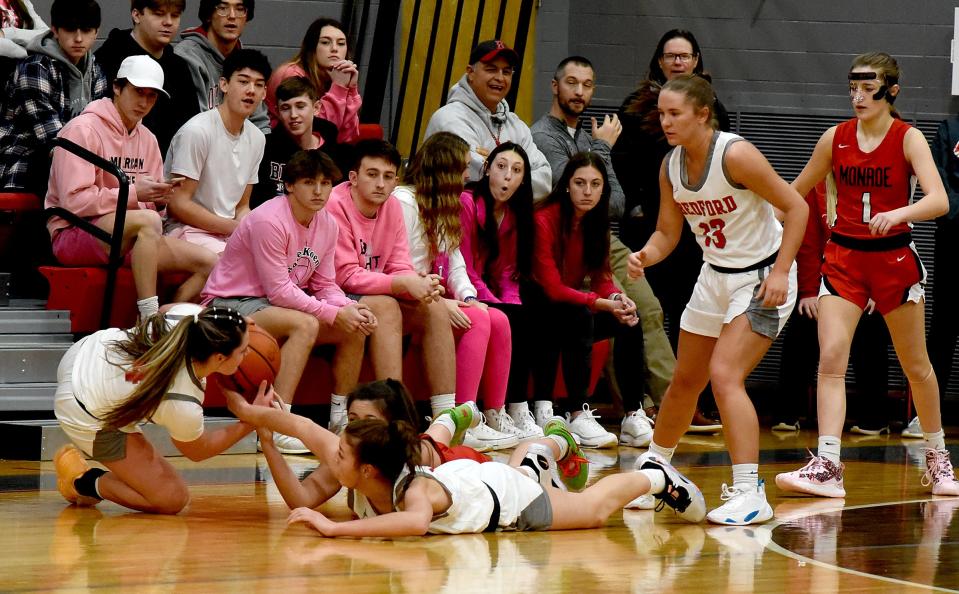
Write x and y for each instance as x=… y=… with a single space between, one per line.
x=100 y=385
x=455 y=277
x=223 y=164
x=735 y=227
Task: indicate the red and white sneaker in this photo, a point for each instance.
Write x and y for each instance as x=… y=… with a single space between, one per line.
x=939 y=473
x=820 y=477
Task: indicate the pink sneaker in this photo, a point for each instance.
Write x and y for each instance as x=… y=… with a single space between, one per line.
x=939 y=473
x=820 y=477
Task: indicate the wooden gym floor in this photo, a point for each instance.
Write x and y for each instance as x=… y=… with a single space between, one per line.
x=888 y=535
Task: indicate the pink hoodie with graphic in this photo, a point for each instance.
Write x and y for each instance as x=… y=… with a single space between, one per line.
x=272 y=255
x=84 y=189
x=369 y=252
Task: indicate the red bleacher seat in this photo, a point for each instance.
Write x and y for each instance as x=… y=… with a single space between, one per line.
x=80 y=290
x=19 y=202
x=368 y=131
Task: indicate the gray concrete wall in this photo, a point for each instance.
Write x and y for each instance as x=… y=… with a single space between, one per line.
x=780 y=56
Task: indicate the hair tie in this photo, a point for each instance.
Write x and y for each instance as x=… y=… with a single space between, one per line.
x=196 y=318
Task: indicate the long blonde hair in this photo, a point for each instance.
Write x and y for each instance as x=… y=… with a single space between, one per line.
x=436 y=174
x=153 y=356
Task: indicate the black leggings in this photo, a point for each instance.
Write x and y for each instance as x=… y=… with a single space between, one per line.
x=571 y=330
x=520 y=323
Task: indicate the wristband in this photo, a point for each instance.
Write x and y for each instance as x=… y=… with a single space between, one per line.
x=469 y=298
x=616 y=296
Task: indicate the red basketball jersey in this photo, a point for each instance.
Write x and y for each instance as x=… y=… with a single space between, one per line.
x=869 y=183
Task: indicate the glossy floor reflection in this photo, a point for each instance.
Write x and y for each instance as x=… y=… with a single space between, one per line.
x=888 y=535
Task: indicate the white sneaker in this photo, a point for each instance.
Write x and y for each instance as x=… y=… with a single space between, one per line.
x=646 y=501
x=484 y=438
x=525 y=423
x=542 y=412
x=913 y=430
x=505 y=423
x=637 y=430
x=590 y=432
x=287 y=444
x=742 y=506
x=539 y=458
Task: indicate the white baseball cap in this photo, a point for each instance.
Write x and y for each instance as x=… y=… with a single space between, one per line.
x=143 y=72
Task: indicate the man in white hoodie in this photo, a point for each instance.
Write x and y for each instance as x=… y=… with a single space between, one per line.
x=47 y=89
x=476 y=110
x=112 y=129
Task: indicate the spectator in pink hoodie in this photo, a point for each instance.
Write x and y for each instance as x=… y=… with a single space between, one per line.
x=111 y=128
x=323 y=60
x=278 y=269
x=373 y=263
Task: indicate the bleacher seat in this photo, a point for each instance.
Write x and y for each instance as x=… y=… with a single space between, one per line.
x=80 y=290
x=370 y=131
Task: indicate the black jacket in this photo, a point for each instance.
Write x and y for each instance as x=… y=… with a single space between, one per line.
x=944 y=150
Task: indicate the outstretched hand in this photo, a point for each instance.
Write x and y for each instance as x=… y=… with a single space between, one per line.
x=313 y=518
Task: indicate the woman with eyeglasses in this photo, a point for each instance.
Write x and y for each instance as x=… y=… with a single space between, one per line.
x=637 y=156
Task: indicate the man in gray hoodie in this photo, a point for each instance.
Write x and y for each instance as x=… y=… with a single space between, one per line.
x=206 y=47
x=477 y=111
x=48 y=88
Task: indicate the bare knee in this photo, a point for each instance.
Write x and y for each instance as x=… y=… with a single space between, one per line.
x=724 y=379
x=386 y=309
x=174 y=501
x=306 y=328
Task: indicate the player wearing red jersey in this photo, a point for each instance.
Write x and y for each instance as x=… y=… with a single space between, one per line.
x=872 y=159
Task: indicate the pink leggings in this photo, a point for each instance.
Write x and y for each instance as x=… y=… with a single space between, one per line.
x=482 y=357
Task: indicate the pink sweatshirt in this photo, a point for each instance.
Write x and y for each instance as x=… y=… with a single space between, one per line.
x=340 y=105
x=503 y=270
x=86 y=190
x=272 y=255
x=369 y=252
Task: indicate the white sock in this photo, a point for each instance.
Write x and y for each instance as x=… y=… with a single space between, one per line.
x=518 y=410
x=664 y=453
x=147 y=307
x=563 y=445
x=937 y=440
x=445 y=420
x=337 y=406
x=829 y=448
x=745 y=476
x=441 y=402
x=657 y=480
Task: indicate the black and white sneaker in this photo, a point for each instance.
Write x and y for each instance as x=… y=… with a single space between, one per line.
x=539 y=458
x=680 y=493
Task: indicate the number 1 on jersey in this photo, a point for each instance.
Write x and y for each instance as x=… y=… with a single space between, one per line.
x=866 y=208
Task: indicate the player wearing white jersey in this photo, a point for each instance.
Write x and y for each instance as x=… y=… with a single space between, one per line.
x=726 y=190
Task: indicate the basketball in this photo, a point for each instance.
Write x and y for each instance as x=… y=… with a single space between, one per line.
x=262 y=362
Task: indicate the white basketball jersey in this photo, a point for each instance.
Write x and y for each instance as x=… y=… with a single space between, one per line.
x=734 y=227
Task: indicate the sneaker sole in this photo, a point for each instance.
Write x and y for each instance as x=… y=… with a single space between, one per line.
x=786 y=484
x=911 y=435
x=640 y=441
x=759 y=516
x=705 y=428
x=609 y=442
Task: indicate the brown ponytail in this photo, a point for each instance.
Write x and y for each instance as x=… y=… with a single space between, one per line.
x=153 y=356
x=388 y=447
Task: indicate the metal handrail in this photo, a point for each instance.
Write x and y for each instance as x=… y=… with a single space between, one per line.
x=115 y=240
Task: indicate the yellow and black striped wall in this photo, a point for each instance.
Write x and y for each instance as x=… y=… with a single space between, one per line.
x=437 y=37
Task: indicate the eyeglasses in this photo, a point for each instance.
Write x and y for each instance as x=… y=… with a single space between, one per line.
x=684 y=58
x=224 y=9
